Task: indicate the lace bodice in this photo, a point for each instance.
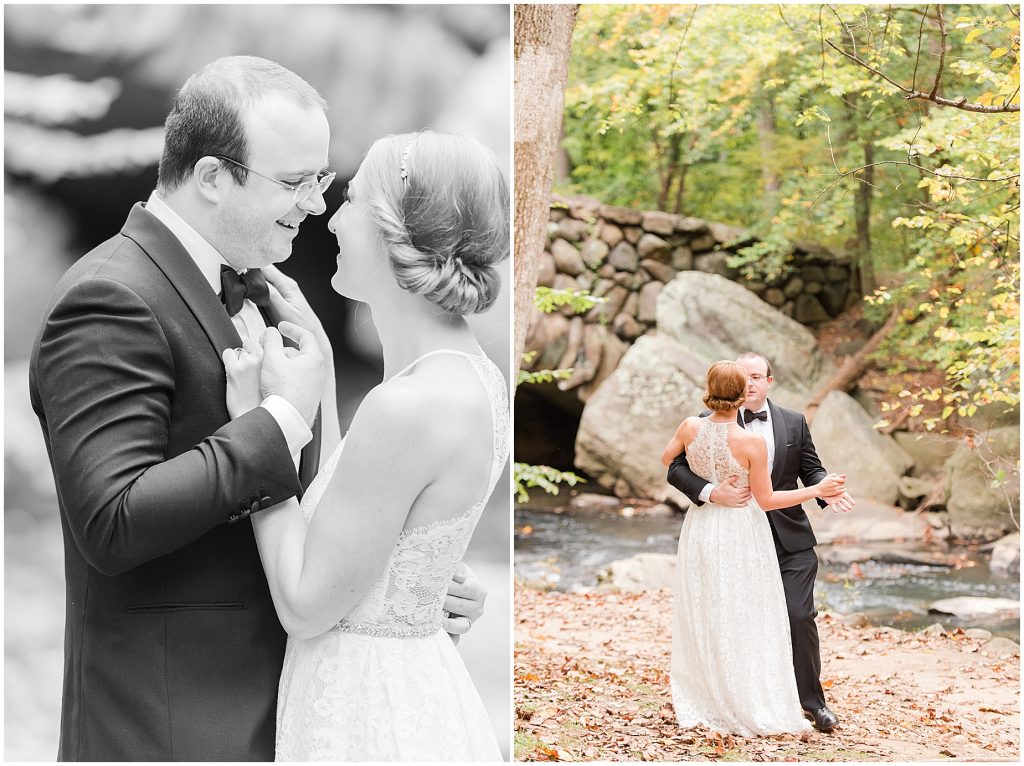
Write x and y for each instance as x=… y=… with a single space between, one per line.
x=709 y=455
x=407 y=599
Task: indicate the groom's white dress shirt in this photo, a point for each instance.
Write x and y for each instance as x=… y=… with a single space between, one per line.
x=248 y=322
x=762 y=428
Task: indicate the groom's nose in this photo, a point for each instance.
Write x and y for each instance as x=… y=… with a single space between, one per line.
x=314 y=204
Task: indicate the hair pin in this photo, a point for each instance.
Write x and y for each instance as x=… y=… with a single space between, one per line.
x=405 y=160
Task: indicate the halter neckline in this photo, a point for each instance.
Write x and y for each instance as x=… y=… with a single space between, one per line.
x=420 y=358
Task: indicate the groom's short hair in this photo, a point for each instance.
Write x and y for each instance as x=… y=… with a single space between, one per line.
x=206 y=114
x=755 y=355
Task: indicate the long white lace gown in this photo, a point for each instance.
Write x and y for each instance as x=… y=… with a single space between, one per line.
x=387 y=683
x=732 y=661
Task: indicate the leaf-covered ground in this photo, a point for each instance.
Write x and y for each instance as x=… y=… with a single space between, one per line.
x=591 y=683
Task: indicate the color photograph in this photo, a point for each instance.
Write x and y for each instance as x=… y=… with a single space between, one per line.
x=767 y=412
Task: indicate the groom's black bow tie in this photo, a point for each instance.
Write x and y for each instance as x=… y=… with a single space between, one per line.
x=237 y=287
x=749 y=416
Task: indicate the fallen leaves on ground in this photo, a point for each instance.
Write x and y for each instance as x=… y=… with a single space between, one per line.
x=592 y=683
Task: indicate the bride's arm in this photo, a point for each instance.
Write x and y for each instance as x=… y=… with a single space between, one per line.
x=318 y=573
x=685 y=433
x=756 y=451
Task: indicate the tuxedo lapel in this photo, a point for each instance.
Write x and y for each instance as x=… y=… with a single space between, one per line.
x=171 y=257
x=779 y=428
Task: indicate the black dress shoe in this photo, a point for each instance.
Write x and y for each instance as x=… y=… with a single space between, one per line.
x=824 y=719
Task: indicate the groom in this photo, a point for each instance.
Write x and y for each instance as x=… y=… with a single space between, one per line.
x=172 y=647
x=791 y=456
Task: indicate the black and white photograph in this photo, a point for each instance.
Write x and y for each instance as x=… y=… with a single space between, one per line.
x=257 y=499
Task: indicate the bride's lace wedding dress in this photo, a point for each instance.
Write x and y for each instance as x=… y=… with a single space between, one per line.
x=732 y=662
x=387 y=683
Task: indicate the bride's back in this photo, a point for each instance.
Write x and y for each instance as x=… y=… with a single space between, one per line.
x=463 y=398
x=715 y=452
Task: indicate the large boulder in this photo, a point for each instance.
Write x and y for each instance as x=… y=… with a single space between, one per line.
x=628 y=421
x=930 y=451
x=1006 y=555
x=847 y=442
x=977 y=509
x=968 y=607
x=660 y=381
x=869 y=521
x=644 y=571
x=715 y=318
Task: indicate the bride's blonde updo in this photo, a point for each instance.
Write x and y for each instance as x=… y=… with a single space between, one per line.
x=726 y=386
x=441 y=204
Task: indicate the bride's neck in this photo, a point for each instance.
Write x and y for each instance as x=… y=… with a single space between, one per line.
x=723 y=416
x=412 y=326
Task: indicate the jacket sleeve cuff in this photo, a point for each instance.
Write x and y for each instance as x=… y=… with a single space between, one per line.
x=294 y=428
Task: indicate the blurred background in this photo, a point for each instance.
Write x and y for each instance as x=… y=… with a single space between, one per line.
x=86 y=91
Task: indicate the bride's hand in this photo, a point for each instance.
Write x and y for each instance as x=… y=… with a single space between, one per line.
x=833 y=484
x=292 y=305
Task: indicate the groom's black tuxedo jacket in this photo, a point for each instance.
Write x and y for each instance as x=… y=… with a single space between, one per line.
x=172 y=648
x=795 y=458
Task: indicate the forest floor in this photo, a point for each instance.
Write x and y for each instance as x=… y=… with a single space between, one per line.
x=592 y=683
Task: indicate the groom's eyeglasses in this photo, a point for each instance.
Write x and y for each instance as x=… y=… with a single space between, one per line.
x=301 y=192
x=757 y=378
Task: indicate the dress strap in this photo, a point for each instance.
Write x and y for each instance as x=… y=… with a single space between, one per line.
x=419 y=359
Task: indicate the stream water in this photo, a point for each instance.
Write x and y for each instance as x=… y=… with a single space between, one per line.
x=565 y=551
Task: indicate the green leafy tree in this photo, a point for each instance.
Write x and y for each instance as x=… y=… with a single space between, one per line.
x=889 y=132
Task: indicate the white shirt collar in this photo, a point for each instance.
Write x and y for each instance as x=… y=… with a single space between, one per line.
x=203 y=253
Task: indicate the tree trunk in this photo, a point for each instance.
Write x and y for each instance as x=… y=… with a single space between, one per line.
x=766 y=131
x=681 y=190
x=862 y=212
x=853 y=367
x=671 y=170
x=543 y=35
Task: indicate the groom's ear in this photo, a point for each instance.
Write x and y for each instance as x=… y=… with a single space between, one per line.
x=210 y=176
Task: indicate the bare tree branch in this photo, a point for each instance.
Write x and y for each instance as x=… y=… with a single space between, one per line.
x=1016 y=15
x=960 y=103
x=917 y=58
x=942 y=53
x=846 y=28
x=783 y=17
x=937 y=173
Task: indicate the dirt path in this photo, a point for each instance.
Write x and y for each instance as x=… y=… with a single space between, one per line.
x=591 y=683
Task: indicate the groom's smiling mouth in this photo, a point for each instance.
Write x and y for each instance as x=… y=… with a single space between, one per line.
x=291 y=226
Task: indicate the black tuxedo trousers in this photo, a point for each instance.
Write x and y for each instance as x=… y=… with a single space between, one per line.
x=172 y=647
x=795 y=458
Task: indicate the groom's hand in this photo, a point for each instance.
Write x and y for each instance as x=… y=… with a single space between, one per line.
x=728 y=494
x=464 y=602
x=840 y=503
x=295 y=374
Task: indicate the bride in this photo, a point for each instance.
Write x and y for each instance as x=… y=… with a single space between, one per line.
x=358 y=570
x=732 y=663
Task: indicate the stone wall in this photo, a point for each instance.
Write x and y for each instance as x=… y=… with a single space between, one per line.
x=627 y=256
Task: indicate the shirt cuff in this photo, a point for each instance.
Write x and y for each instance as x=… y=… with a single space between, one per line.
x=705 y=494
x=294 y=428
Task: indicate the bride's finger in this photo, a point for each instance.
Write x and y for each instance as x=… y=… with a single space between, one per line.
x=279 y=280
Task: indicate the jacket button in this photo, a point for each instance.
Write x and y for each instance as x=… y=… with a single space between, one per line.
x=254 y=507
